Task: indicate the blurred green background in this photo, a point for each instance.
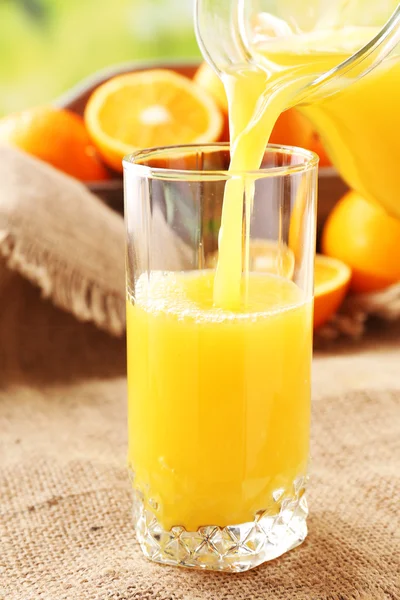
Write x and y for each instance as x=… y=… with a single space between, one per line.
x=47 y=46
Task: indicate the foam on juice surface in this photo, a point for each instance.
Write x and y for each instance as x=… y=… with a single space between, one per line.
x=189 y=296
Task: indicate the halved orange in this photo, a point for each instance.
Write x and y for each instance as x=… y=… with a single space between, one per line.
x=207 y=78
x=332 y=280
x=268 y=256
x=150 y=108
x=265 y=256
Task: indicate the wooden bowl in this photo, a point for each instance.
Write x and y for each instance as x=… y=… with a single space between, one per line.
x=331 y=186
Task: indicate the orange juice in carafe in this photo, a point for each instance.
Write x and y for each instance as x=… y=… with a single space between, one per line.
x=359 y=127
x=357 y=121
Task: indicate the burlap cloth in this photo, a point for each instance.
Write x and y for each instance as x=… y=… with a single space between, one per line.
x=65 y=522
x=65 y=528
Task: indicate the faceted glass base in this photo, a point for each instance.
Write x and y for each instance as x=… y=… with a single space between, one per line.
x=233 y=548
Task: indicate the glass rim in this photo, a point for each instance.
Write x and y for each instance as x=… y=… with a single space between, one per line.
x=310 y=162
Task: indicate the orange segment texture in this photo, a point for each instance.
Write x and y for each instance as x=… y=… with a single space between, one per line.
x=294 y=129
x=206 y=77
x=332 y=279
x=56 y=136
x=150 y=108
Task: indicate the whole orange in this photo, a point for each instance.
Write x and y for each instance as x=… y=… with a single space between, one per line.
x=294 y=129
x=56 y=136
x=365 y=237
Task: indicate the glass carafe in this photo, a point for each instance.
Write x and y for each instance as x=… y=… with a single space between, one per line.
x=354 y=104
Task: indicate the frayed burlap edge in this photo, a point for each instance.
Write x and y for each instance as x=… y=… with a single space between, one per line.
x=88 y=301
x=351 y=320
x=63 y=285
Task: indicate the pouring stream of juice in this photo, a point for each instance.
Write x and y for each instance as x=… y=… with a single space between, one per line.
x=257 y=95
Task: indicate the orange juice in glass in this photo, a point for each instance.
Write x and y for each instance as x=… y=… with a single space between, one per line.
x=219 y=385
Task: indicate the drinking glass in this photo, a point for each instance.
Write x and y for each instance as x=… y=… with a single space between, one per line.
x=219 y=397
